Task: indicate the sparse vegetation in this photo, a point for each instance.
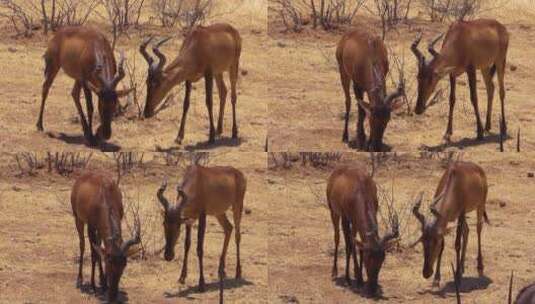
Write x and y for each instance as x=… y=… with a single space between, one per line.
x=63 y=163
x=182 y=13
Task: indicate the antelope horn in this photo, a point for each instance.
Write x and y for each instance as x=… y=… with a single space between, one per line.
x=416 y=51
x=161 y=197
x=143 y=50
x=120 y=71
x=135 y=240
x=183 y=194
x=431 y=47
x=160 y=55
x=435 y=212
x=416 y=209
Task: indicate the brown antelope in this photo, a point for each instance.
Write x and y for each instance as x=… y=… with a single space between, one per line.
x=525 y=296
x=206 y=52
x=204 y=191
x=86 y=56
x=462 y=189
x=468 y=46
x=363 y=60
x=352 y=196
x=96 y=201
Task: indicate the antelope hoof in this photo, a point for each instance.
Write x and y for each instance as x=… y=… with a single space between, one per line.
x=238 y=274
x=79 y=282
x=219 y=130
x=360 y=282
x=480 y=135
x=178 y=141
x=40 y=127
x=447 y=138
x=182 y=279
x=348 y=281
x=334 y=274
x=201 y=287
x=436 y=284
x=234 y=133
x=361 y=143
x=345 y=137
x=488 y=126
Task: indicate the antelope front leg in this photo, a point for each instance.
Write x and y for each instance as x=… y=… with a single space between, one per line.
x=209 y=84
x=449 y=129
x=336 y=225
x=200 y=246
x=480 y=266
x=347 y=238
x=465 y=243
x=80 y=229
x=227 y=229
x=187 y=245
x=185 y=109
x=76 y=90
x=361 y=134
x=436 y=280
x=473 y=97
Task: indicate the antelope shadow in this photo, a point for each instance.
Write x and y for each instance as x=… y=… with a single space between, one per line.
x=353 y=145
x=492 y=138
x=467 y=285
x=361 y=290
x=101 y=295
x=72 y=139
x=228 y=283
x=219 y=142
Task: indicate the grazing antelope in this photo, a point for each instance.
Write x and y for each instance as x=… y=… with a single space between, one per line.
x=462 y=189
x=525 y=296
x=352 y=196
x=204 y=191
x=363 y=60
x=206 y=52
x=97 y=201
x=468 y=46
x=86 y=56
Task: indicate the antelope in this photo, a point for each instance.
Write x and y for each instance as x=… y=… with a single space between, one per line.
x=206 y=52
x=363 y=60
x=352 y=196
x=525 y=296
x=468 y=46
x=462 y=189
x=85 y=55
x=96 y=201
x=204 y=191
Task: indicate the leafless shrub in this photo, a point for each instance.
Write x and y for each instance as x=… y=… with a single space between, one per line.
x=173 y=158
x=445 y=158
x=126 y=162
x=390 y=12
x=65 y=163
x=122 y=14
x=150 y=224
x=132 y=80
x=448 y=10
x=280 y=160
x=182 y=13
x=30 y=15
x=398 y=63
x=197 y=158
x=380 y=159
x=27 y=164
x=23 y=15
x=58 y=13
x=320 y=159
x=329 y=14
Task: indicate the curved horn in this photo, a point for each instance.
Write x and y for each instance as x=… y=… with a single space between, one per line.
x=143 y=50
x=135 y=240
x=161 y=197
x=416 y=51
x=435 y=212
x=160 y=55
x=416 y=209
x=431 y=47
x=181 y=193
x=120 y=71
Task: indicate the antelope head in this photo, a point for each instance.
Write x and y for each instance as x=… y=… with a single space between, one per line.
x=379 y=111
x=158 y=85
x=107 y=92
x=374 y=251
x=172 y=214
x=432 y=236
x=428 y=74
x=115 y=256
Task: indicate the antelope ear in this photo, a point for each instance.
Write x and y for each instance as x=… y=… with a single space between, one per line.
x=366 y=106
x=123 y=93
x=99 y=250
x=93 y=88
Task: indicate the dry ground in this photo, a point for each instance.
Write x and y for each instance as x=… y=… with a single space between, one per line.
x=22 y=77
x=307 y=104
x=39 y=245
x=301 y=235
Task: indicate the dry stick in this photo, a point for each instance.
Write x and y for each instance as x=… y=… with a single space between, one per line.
x=518 y=140
x=510 y=297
